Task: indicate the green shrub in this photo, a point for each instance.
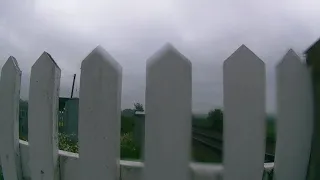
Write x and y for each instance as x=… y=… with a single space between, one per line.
x=128 y=149
x=127 y=124
x=66 y=144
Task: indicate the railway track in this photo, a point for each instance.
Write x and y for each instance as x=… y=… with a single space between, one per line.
x=209 y=141
x=216 y=143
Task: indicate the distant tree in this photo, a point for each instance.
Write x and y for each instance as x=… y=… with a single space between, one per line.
x=216 y=117
x=138 y=107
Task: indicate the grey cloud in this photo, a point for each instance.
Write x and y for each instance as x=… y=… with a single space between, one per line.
x=206 y=32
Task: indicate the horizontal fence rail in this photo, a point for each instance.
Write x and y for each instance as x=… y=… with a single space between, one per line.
x=129 y=170
x=166 y=153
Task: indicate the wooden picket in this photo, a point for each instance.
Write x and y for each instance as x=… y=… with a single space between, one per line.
x=99 y=116
x=244 y=115
x=168 y=116
x=42 y=118
x=167 y=125
x=294 y=123
x=9 y=125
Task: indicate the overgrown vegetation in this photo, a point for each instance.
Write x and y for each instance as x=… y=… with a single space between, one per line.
x=129 y=149
x=213 y=121
x=66 y=143
x=138 y=107
x=127 y=124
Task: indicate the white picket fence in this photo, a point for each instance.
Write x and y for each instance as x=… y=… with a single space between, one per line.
x=168 y=101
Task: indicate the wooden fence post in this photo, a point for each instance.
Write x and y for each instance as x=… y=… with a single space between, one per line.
x=42 y=118
x=244 y=85
x=294 y=122
x=168 y=116
x=99 y=116
x=9 y=120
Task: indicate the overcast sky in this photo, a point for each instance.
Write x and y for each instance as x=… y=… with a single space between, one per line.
x=205 y=31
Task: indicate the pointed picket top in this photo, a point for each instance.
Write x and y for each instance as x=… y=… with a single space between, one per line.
x=244 y=82
x=12 y=63
x=167 y=53
x=45 y=58
x=290 y=57
x=100 y=55
x=294 y=118
x=243 y=55
x=9 y=122
x=42 y=112
x=99 y=116
x=168 y=101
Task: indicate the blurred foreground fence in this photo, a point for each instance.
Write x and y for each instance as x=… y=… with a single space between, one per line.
x=168 y=101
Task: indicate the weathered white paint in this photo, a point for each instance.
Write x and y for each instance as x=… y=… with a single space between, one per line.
x=42 y=118
x=294 y=122
x=168 y=101
x=99 y=116
x=244 y=115
x=9 y=119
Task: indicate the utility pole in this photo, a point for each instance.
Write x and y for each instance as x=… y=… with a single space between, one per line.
x=74 y=79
